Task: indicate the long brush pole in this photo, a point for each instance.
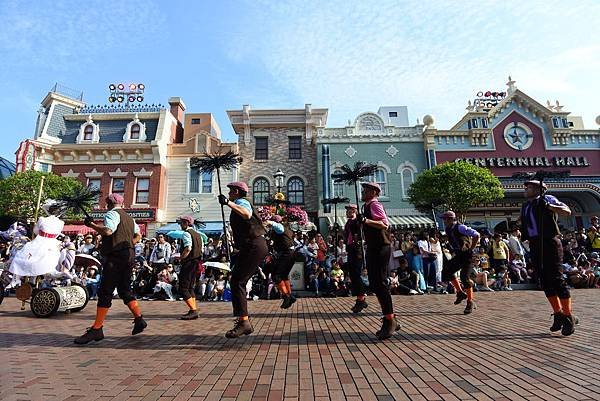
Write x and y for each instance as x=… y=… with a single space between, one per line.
x=360 y=227
x=39 y=200
x=223 y=219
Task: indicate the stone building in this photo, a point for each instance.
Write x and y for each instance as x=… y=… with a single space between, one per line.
x=285 y=140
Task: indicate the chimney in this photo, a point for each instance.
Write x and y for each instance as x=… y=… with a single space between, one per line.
x=177 y=108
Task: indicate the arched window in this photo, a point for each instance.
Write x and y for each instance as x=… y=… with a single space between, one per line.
x=380 y=178
x=88 y=132
x=135 y=131
x=207 y=182
x=338 y=187
x=408 y=177
x=295 y=189
x=260 y=191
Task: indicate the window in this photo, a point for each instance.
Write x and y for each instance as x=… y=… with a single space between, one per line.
x=474 y=123
x=94 y=184
x=565 y=123
x=88 y=132
x=379 y=178
x=555 y=122
x=142 y=190
x=260 y=191
x=194 y=182
x=295 y=189
x=571 y=124
x=135 y=131
x=338 y=187
x=195 y=121
x=207 y=182
x=44 y=167
x=295 y=147
x=408 y=178
x=484 y=122
x=118 y=186
x=262 y=149
x=393 y=114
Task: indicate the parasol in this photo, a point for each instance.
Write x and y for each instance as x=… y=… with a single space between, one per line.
x=84 y=260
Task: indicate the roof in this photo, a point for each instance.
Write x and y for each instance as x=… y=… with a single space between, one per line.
x=7 y=168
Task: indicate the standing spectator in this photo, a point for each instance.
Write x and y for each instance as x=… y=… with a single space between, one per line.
x=593 y=235
x=161 y=253
x=428 y=261
x=395 y=254
x=500 y=259
x=436 y=248
x=514 y=245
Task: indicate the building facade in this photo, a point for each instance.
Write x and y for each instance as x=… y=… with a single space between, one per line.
x=385 y=139
x=285 y=140
x=189 y=191
x=510 y=133
x=119 y=149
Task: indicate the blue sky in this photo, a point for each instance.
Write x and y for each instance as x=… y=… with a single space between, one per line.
x=348 y=56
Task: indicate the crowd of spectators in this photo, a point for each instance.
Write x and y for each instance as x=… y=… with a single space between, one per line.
x=500 y=261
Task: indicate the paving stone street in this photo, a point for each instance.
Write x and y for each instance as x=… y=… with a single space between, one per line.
x=318 y=350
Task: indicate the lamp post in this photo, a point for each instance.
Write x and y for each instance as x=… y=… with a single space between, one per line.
x=279 y=178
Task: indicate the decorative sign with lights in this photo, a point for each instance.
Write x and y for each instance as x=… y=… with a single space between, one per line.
x=128 y=93
x=485 y=101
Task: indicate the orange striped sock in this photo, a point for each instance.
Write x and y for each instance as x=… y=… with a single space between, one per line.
x=134 y=308
x=390 y=316
x=288 y=285
x=242 y=318
x=100 y=316
x=469 y=292
x=361 y=297
x=456 y=284
x=566 y=306
x=282 y=288
x=555 y=303
x=191 y=303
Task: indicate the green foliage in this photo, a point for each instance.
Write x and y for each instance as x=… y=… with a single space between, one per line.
x=456 y=186
x=19 y=193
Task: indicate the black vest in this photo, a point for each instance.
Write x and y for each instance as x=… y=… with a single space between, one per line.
x=243 y=230
x=196 y=252
x=122 y=237
x=374 y=237
x=549 y=219
x=458 y=241
x=283 y=241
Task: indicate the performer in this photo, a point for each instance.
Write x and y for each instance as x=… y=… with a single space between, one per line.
x=462 y=240
x=539 y=226
x=190 y=256
x=248 y=236
x=283 y=245
x=119 y=233
x=377 y=238
x=354 y=265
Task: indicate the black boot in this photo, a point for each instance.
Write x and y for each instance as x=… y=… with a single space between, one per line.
x=288 y=301
x=139 y=324
x=91 y=334
x=559 y=319
x=359 y=306
x=460 y=296
x=190 y=315
x=388 y=327
x=568 y=326
x=469 y=308
x=241 y=328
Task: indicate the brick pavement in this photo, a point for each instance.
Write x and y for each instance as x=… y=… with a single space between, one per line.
x=317 y=350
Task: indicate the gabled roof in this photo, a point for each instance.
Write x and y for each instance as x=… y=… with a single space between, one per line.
x=6 y=168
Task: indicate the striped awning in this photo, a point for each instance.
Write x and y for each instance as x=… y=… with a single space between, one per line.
x=418 y=221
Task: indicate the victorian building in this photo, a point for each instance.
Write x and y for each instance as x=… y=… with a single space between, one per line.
x=117 y=149
x=281 y=143
x=189 y=191
x=385 y=139
x=509 y=133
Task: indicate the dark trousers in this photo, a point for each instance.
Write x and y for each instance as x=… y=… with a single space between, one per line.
x=461 y=261
x=550 y=272
x=377 y=261
x=187 y=278
x=284 y=261
x=116 y=273
x=247 y=261
x=429 y=272
x=353 y=267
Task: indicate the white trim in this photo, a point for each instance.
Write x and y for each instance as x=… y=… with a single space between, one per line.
x=95 y=132
x=118 y=174
x=143 y=173
x=94 y=174
x=412 y=177
x=406 y=164
x=127 y=136
x=70 y=173
x=385 y=167
x=135 y=189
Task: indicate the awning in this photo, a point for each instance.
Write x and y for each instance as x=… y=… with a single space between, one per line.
x=210 y=228
x=417 y=221
x=77 y=229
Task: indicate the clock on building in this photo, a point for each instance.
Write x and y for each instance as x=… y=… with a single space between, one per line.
x=29 y=158
x=518 y=136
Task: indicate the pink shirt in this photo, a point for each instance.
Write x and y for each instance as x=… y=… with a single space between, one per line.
x=377 y=211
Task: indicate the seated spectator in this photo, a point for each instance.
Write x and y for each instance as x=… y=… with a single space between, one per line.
x=219 y=288
x=364 y=276
x=163 y=283
x=481 y=276
x=408 y=278
x=87 y=247
x=337 y=277
x=518 y=272
x=92 y=281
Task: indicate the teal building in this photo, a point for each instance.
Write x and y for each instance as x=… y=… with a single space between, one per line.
x=385 y=139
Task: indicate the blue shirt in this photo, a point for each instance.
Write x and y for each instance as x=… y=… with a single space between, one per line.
x=278 y=228
x=532 y=229
x=112 y=220
x=245 y=203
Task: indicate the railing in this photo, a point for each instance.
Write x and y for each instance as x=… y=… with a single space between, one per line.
x=122 y=109
x=68 y=92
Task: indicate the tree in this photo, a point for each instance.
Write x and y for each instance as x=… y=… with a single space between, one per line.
x=456 y=186
x=19 y=193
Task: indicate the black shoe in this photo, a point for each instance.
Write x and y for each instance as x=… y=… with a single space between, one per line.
x=241 y=328
x=190 y=315
x=469 y=308
x=288 y=301
x=359 y=306
x=91 y=334
x=559 y=319
x=460 y=296
x=568 y=326
x=388 y=327
x=139 y=324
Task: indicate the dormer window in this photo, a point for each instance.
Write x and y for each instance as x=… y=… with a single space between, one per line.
x=135 y=131
x=88 y=132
